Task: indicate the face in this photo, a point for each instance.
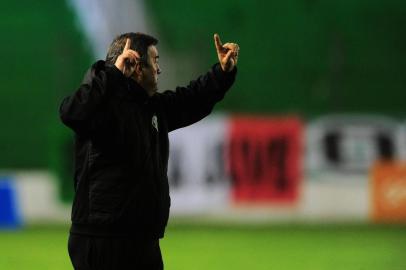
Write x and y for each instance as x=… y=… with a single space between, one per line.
x=149 y=73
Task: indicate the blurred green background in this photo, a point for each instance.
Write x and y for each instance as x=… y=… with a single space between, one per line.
x=303 y=57
x=259 y=247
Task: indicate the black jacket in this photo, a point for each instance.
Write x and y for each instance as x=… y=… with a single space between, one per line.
x=122 y=147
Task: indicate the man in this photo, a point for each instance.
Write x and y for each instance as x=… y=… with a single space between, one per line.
x=121 y=126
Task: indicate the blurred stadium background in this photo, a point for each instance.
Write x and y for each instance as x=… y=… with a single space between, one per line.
x=303 y=166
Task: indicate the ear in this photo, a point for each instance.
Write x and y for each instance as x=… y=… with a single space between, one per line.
x=138 y=69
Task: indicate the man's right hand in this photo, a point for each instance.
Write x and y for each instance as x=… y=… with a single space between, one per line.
x=127 y=60
x=227 y=53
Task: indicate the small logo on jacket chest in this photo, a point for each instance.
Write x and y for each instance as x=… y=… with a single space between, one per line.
x=155 y=122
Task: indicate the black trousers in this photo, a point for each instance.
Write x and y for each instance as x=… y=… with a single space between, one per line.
x=112 y=253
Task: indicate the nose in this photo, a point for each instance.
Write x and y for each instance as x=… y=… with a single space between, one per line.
x=159 y=71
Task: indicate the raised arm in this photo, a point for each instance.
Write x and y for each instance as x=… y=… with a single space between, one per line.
x=85 y=109
x=187 y=105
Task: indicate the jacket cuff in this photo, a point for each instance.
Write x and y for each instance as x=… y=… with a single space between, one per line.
x=225 y=78
x=114 y=75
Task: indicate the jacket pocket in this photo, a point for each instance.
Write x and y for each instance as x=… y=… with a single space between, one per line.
x=108 y=190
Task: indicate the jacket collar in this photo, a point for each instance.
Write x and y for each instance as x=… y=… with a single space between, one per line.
x=131 y=90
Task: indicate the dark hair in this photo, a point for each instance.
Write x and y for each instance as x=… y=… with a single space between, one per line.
x=139 y=42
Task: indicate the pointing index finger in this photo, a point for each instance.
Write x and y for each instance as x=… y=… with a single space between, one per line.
x=127 y=45
x=217 y=42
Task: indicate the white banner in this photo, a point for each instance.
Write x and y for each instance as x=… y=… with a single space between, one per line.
x=350 y=143
x=198 y=182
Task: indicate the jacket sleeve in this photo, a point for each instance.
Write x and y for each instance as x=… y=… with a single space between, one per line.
x=187 y=105
x=84 y=111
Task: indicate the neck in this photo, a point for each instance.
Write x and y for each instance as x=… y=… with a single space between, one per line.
x=150 y=92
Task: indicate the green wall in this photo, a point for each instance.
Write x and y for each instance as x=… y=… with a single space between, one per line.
x=43 y=56
x=302 y=56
